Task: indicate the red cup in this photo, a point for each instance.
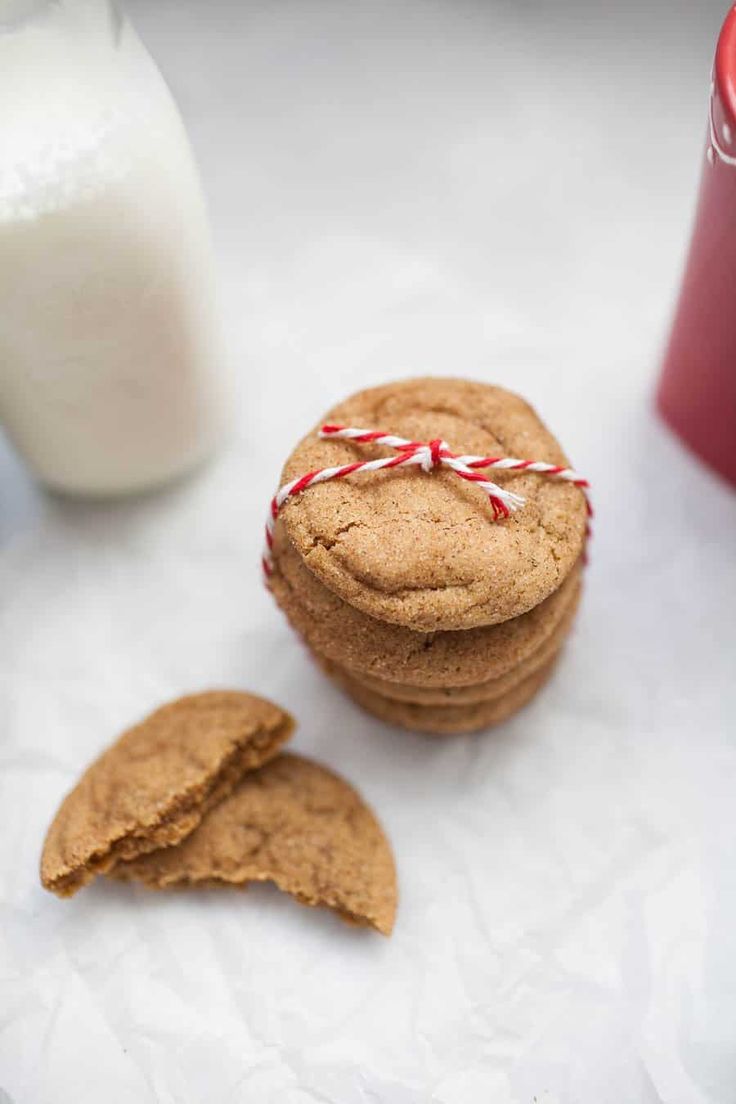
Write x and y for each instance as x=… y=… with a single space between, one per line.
x=697 y=389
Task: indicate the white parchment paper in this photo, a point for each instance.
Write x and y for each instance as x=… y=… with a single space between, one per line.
x=494 y=190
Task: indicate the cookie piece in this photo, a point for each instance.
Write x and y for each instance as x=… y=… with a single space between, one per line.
x=484 y=691
x=293 y=823
x=422 y=550
x=367 y=647
x=152 y=787
x=444 y=720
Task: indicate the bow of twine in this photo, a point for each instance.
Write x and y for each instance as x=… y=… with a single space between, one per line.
x=427 y=455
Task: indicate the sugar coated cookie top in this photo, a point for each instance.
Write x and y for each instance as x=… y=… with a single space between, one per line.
x=422 y=549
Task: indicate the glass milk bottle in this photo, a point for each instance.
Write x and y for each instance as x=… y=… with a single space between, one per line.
x=111 y=375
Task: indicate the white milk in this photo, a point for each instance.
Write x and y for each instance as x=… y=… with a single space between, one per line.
x=110 y=369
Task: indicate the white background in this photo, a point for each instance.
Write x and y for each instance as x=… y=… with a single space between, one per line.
x=501 y=190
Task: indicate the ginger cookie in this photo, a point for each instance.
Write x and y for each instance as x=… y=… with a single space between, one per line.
x=294 y=823
x=367 y=647
x=444 y=720
x=152 y=787
x=483 y=691
x=422 y=549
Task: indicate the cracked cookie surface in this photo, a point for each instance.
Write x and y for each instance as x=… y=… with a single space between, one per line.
x=153 y=785
x=294 y=823
x=377 y=649
x=422 y=550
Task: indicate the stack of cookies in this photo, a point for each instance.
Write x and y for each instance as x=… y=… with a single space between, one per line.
x=427 y=611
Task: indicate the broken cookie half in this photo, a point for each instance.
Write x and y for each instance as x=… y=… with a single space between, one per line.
x=153 y=786
x=294 y=823
x=197 y=793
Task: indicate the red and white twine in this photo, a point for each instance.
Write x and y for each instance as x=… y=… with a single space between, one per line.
x=428 y=456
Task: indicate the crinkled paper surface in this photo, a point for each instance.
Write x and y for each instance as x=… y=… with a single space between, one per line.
x=490 y=189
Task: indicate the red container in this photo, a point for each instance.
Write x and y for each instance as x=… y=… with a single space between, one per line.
x=697 y=390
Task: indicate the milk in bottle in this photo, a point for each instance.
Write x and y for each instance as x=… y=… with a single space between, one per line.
x=111 y=375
